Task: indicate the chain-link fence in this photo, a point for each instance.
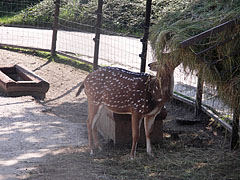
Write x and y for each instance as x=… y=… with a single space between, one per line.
x=74 y=38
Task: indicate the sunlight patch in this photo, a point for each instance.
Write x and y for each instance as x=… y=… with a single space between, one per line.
x=8 y=162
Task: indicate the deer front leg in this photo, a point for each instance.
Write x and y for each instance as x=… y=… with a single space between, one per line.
x=136 y=124
x=148 y=123
x=93 y=115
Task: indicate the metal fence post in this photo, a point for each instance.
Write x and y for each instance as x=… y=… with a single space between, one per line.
x=97 y=34
x=55 y=28
x=144 y=40
x=199 y=93
x=235 y=129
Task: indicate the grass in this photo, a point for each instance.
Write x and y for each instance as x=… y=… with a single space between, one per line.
x=57 y=58
x=10 y=20
x=174 y=160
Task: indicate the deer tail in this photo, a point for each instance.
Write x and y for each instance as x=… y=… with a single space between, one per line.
x=80 y=88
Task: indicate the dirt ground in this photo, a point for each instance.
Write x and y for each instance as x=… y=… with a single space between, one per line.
x=64 y=81
x=193 y=149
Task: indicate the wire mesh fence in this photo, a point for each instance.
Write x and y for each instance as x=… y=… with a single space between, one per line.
x=18 y=31
x=212 y=100
x=185 y=85
x=118 y=47
x=76 y=38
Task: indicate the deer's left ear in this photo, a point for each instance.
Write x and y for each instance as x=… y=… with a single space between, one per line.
x=154 y=66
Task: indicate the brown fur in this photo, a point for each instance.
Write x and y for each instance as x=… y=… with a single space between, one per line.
x=122 y=91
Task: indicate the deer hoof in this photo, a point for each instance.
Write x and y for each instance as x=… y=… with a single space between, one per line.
x=100 y=148
x=150 y=154
x=132 y=158
x=91 y=152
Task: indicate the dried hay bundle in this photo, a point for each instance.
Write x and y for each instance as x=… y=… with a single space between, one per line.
x=219 y=66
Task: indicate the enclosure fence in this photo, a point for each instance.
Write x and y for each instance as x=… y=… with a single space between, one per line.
x=82 y=41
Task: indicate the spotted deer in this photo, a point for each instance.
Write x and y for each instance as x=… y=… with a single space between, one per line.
x=124 y=92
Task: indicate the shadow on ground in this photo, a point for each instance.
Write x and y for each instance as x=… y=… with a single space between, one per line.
x=74 y=112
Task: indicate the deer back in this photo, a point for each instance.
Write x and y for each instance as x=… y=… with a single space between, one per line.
x=120 y=90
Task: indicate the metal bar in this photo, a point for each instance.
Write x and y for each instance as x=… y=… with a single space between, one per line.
x=198 y=105
x=235 y=129
x=216 y=118
x=206 y=111
x=208 y=33
x=216 y=45
x=97 y=34
x=144 y=40
x=225 y=57
x=184 y=100
x=55 y=28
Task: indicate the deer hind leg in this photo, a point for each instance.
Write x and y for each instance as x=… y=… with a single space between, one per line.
x=136 y=124
x=94 y=129
x=148 y=123
x=93 y=115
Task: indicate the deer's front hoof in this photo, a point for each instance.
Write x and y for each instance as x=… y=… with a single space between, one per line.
x=91 y=152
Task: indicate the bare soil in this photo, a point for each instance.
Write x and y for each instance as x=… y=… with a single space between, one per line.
x=64 y=81
x=190 y=151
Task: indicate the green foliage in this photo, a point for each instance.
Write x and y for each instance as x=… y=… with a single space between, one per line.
x=123 y=16
x=14 y=6
x=39 y=14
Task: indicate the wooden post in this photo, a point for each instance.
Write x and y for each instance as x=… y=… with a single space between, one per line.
x=235 y=129
x=97 y=34
x=144 y=40
x=55 y=28
x=198 y=106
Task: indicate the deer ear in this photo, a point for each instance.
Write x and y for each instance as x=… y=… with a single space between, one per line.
x=154 y=66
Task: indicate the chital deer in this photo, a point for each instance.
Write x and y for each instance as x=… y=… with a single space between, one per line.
x=125 y=92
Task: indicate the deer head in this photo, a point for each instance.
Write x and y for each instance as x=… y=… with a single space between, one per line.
x=165 y=76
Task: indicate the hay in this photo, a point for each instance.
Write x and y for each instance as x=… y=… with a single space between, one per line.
x=221 y=65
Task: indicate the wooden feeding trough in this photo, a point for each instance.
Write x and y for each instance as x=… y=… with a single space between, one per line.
x=18 y=81
x=117 y=127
